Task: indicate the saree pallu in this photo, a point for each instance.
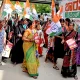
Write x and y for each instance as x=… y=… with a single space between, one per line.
x=69 y=68
x=30 y=62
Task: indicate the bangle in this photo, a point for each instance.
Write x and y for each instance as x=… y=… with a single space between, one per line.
x=30 y=40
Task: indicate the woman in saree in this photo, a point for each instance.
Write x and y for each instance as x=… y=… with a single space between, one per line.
x=58 y=46
x=69 y=68
x=30 y=63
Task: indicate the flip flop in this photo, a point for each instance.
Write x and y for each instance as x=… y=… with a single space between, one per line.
x=35 y=77
x=55 y=67
x=25 y=71
x=76 y=78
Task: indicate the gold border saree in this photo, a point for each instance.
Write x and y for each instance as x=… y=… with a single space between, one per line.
x=30 y=60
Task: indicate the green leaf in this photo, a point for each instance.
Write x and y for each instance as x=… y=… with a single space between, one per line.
x=43 y=8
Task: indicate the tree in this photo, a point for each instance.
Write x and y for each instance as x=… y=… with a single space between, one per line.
x=43 y=8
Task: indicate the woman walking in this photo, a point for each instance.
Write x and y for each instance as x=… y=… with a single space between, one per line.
x=58 y=46
x=17 y=53
x=69 y=62
x=30 y=64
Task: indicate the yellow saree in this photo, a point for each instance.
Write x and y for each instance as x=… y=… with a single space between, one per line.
x=30 y=61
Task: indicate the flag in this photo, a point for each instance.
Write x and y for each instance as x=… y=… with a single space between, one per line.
x=59 y=13
x=55 y=29
x=55 y=26
x=18 y=7
x=27 y=11
x=34 y=12
x=7 y=8
x=53 y=8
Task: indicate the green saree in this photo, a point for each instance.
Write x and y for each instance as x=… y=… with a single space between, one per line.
x=30 y=61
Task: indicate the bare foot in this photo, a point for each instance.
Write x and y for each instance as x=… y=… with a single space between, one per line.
x=55 y=67
x=76 y=78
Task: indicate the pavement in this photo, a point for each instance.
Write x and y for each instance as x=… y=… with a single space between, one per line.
x=9 y=71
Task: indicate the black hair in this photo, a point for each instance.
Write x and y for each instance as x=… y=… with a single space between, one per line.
x=28 y=20
x=71 y=23
x=29 y=23
x=62 y=20
x=19 y=22
x=45 y=14
x=38 y=16
x=36 y=26
x=22 y=19
x=10 y=23
x=41 y=13
x=68 y=20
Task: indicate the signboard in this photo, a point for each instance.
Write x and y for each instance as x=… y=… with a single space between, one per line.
x=72 y=14
x=71 y=9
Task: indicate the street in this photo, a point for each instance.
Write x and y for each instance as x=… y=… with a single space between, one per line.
x=9 y=71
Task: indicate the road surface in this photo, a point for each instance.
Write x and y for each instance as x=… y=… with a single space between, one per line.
x=46 y=72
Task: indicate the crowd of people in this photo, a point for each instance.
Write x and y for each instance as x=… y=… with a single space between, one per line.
x=28 y=39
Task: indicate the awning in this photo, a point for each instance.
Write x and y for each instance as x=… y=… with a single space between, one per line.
x=38 y=1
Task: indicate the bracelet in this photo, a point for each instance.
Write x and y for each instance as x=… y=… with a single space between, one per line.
x=30 y=40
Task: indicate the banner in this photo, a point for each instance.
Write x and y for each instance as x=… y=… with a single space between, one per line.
x=72 y=14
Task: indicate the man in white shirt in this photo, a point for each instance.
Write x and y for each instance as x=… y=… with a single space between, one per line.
x=45 y=17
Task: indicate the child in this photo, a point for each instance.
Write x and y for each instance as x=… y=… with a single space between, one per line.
x=41 y=40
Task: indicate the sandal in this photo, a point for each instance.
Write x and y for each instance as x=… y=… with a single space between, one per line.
x=55 y=67
x=40 y=55
x=35 y=77
x=24 y=70
x=76 y=78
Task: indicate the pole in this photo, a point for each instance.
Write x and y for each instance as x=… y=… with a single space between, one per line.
x=1 y=7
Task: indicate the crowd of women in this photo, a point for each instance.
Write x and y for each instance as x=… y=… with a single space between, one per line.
x=29 y=38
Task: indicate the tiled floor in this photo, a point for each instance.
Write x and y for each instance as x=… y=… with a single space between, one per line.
x=46 y=72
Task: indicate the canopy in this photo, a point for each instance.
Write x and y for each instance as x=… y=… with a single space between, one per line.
x=38 y=1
